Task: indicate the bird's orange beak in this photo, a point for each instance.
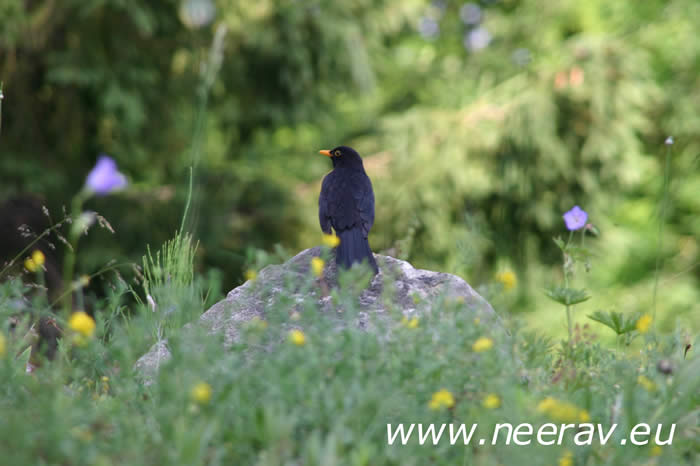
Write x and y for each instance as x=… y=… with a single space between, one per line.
x=327 y=153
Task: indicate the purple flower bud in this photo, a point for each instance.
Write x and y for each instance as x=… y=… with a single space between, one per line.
x=197 y=13
x=477 y=39
x=575 y=218
x=428 y=28
x=470 y=13
x=104 y=178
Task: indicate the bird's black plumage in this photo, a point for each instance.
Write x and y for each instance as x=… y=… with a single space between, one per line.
x=346 y=203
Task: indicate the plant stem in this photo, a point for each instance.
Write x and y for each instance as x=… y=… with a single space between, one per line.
x=187 y=203
x=210 y=70
x=659 y=239
x=2 y=96
x=569 y=322
x=69 y=261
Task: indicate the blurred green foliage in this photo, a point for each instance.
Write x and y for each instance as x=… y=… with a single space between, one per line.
x=478 y=131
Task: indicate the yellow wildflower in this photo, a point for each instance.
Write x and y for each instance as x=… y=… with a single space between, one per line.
x=251 y=275
x=491 y=401
x=30 y=265
x=38 y=257
x=35 y=262
x=655 y=451
x=476 y=321
x=410 y=323
x=508 y=279
x=297 y=337
x=317 y=266
x=3 y=345
x=105 y=384
x=567 y=459
x=562 y=411
x=482 y=344
x=201 y=393
x=441 y=399
x=644 y=323
x=646 y=383
x=546 y=404
x=331 y=241
x=82 y=323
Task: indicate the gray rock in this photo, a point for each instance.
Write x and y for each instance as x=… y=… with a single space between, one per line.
x=398 y=285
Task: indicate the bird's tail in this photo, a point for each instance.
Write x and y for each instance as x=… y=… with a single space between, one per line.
x=354 y=248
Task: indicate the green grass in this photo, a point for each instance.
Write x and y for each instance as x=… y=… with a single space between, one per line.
x=327 y=401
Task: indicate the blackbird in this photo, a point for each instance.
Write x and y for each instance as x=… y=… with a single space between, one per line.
x=346 y=203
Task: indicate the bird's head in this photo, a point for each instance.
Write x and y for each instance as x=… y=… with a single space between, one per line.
x=343 y=156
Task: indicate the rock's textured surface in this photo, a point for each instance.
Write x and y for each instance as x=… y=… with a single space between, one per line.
x=412 y=290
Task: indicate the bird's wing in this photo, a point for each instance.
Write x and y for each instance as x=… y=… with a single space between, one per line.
x=323 y=211
x=364 y=202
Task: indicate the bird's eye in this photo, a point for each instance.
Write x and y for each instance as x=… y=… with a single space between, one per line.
x=337 y=153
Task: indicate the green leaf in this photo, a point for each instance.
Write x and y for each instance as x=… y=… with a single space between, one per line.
x=578 y=253
x=560 y=243
x=567 y=296
x=23 y=358
x=616 y=321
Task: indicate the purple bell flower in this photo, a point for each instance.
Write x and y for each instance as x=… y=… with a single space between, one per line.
x=105 y=178
x=576 y=218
